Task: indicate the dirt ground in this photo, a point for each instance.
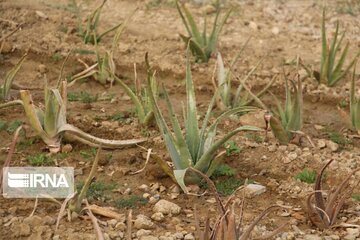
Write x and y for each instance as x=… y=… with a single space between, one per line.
x=280 y=30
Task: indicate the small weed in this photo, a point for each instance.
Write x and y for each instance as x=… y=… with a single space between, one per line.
x=90 y=154
x=57 y=57
x=3 y=125
x=84 y=97
x=228 y=186
x=231 y=148
x=120 y=117
x=131 y=202
x=40 y=160
x=338 y=138
x=224 y=170
x=98 y=190
x=82 y=51
x=307 y=176
x=11 y=128
x=24 y=143
x=255 y=137
x=343 y=103
x=356 y=197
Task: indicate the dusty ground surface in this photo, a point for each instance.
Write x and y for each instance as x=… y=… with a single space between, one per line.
x=280 y=29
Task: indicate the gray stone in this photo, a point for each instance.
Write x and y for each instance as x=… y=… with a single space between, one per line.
x=166 y=207
x=143 y=222
x=158 y=216
x=312 y=237
x=253 y=190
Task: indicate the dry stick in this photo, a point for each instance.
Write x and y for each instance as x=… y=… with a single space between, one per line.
x=146 y=162
x=62 y=69
x=11 y=33
x=129 y=226
x=10 y=154
x=99 y=234
x=35 y=206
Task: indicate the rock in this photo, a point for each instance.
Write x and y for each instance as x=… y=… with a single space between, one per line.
x=33 y=221
x=158 y=216
x=120 y=226
x=178 y=235
x=112 y=222
x=319 y=127
x=312 y=237
x=47 y=220
x=292 y=156
x=272 y=148
x=332 y=146
x=66 y=148
x=253 y=190
x=146 y=195
x=275 y=30
x=352 y=233
x=321 y=143
x=144 y=187
x=21 y=230
x=109 y=124
x=189 y=236
x=56 y=237
x=143 y=222
x=42 y=68
x=41 y=15
x=166 y=207
x=150 y=237
x=253 y=25
x=143 y=232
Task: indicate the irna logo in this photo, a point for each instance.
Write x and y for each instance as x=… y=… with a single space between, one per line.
x=35 y=180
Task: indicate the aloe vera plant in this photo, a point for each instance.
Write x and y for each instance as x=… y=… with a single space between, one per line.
x=324 y=211
x=140 y=96
x=225 y=99
x=90 y=29
x=201 y=45
x=50 y=124
x=9 y=78
x=354 y=104
x=331 y=71
x=225 y=226
x=104 y=69
x=288 y=119
x=197 y=147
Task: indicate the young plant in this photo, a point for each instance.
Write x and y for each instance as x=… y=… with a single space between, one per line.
x=354 y=104
x=288 y=120
x=104 y=69
x=226 y=100
x=197 y=147
x=90 y=30
x=331 y=71
x=231 y=148
x=225 y=226
x=50 y=124
x=202 y=45
x=307 y=176
x=9 y=78
x=141 y=96
x=323 y=213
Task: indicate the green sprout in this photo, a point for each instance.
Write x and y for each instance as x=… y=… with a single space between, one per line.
x=307 y=176
x=201 y=45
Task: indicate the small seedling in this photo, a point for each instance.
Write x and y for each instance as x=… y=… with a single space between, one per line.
x=226 y=99
x=11 y=127
x=288 y=119
x=323 y=213
x=356 y=197
x=307 y=176
x=88 y=154
x=140 y=96
x=331 y=72
x=90 y=30
x=9 y=78
x=354 y=104
x=227 y=186
x=57 y=57
x=130 y=202
x=83 y=97
x=231 y=148
x=40 y=159
x=338 y=138
x=98 y=190
x=224 y=170
x=255 y=137
x=202 y=45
